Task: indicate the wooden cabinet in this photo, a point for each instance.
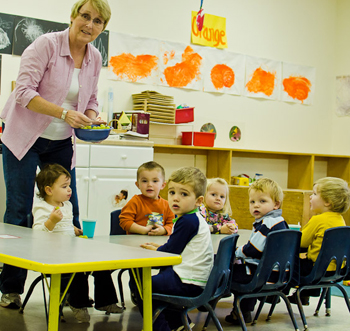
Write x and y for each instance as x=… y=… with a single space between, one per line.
x=102 y=172
x=300 y=167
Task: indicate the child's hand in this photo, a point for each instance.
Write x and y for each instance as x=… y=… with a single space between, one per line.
x=78 y=232
x=151 y=246
x=56 y=215
x=228 y=228
x=157 y=230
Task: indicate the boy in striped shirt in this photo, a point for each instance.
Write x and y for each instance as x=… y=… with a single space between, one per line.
x=265 y=201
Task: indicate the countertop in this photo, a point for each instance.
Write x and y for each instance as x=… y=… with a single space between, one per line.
x=115 y=141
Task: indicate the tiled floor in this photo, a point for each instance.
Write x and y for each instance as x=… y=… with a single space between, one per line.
x=33 y=318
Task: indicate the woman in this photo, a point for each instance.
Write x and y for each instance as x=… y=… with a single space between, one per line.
x=56 y=91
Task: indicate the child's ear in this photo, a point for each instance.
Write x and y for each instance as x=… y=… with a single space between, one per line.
x=163 y=185
x=277 y=205
x=48 y=190
x=199 y=200
x=137 y=185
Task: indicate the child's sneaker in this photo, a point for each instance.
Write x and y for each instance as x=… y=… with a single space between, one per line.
x=11 y=301
x=111 y=309
x=81 y=314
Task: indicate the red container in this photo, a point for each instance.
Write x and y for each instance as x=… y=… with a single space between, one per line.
x=184 y=115
x=199 y=138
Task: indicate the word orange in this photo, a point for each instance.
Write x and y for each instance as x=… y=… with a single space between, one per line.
x=222 y=75
x=262 y=81
x=133 y=67
x=183 y=73
x=297 y=87
x=209 y=34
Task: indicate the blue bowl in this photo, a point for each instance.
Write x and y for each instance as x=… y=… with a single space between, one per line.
x=92 y=135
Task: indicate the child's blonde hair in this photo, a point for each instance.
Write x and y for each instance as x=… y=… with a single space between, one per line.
x=190 y=176
x=267 y=185
x=227 y=206
x=334 y=191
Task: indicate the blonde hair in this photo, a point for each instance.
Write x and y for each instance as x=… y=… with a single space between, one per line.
x=267 y=185
x=150 y=165
x=101 y=6
x=190 y=176
x=334 y=191
x=227 y=206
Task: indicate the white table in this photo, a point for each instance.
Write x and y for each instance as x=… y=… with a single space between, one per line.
x=55 y=254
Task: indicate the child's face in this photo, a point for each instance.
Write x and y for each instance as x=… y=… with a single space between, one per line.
x=182 y=198
x=260 y=203
x=150 y=183
x=317 y=204
x=215 y=197
x=60 y=191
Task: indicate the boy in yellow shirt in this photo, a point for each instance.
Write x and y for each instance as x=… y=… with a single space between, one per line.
x=330 y=199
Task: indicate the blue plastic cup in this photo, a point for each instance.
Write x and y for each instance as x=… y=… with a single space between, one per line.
x=89 y=228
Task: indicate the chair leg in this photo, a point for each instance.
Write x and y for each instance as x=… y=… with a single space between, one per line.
x=207 y=320
x=213 y=316
x=290 y=310
x=345 y=295
x=29 y=293
x=120 y=285
x=323 y=294
x=240 y=315
x=257 y=314
x=328 y=302
x=301 y=310
x=272 y=308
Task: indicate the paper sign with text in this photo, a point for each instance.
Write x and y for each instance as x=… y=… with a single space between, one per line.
x=213 y=33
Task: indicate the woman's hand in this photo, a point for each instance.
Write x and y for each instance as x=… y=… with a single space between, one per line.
x=76 y=119
x=78 y=232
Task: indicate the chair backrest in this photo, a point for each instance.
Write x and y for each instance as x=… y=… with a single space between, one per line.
x=220 y=274
x=280 y=253
x=335 y=247
x=115 y=226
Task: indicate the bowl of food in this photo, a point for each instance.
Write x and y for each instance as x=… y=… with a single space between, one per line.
x=93 y=133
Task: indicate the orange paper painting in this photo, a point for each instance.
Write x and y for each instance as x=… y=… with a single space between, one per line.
x=181 y=66
x=133 y=59
x=298 y=83
x=262 y=78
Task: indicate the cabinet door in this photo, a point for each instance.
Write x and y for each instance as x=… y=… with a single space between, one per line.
x=105 y=184
x=82 y=177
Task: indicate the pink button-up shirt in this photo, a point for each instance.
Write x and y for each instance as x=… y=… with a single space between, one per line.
x=46 y=70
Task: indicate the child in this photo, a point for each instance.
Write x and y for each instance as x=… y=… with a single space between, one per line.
x=216 y=208
x=138 y=215
x=53 y=213
x=265 y=201
x=330 y=199
x=190 y=238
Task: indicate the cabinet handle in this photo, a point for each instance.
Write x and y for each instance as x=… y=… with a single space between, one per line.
x=124 y=157
x=86 y=178
x=94 y=178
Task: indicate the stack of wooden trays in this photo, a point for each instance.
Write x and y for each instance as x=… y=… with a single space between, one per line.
x=161 y=107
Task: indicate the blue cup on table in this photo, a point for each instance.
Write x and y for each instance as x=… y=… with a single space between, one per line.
x=89 y=227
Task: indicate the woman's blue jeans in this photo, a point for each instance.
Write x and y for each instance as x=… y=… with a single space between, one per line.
x=19 y=178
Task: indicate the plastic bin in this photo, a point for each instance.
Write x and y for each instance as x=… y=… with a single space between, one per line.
x=199 y=138
x=184 y=115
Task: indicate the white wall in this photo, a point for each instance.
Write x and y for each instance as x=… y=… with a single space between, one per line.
x=301 y=32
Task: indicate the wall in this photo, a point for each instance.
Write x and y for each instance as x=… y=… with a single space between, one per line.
x=300 y=32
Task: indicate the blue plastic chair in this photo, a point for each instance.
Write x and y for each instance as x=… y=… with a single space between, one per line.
x=335 y=247
x=116 y=229
x=281 y=251
x=213 y=291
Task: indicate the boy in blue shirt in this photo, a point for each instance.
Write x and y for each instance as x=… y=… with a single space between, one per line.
x=190 y=238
